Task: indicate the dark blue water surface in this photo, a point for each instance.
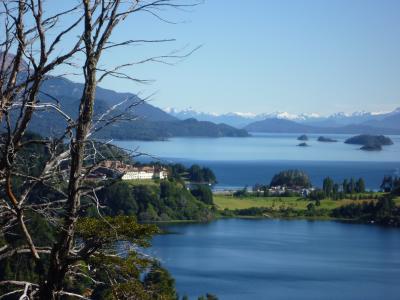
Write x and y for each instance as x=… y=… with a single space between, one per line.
x=237 y=174
x=246 y=161
x=279 y=259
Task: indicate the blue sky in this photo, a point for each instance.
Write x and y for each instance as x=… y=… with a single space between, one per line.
x=260 y=56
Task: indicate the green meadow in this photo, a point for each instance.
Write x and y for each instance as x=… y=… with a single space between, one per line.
x=277 y=203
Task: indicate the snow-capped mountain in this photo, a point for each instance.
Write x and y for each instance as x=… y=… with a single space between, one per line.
x=242 y=119
x=236 y=119
x=289 y=116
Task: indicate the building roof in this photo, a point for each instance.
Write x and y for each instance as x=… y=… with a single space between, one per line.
x=123 y=167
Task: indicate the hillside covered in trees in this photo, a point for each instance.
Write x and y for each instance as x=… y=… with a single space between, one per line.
x=167 y=200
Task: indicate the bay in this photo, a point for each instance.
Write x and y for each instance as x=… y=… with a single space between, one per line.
x=281 y=259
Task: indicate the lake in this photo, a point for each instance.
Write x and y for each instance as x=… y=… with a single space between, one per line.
x=280 y=259
x=245 y=161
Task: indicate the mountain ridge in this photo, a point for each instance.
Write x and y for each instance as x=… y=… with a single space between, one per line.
x=372 y=122
x=281 y=114
x=149 y=122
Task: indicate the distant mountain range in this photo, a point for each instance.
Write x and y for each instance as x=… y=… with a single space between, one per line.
x=358 y=122
x=150 y=122
x=238 y=120
x=287 y=126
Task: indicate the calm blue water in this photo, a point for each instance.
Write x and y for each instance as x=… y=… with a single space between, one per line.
x=236 y=174
x=264 y=147
x=245 y=161
x=277 y=259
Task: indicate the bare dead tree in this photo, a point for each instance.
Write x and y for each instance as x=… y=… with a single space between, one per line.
x=31 y=50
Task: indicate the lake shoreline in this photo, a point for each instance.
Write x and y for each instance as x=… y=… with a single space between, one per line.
x=322 y=213
x=303 y=218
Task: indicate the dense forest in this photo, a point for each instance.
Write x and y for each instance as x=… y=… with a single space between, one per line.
x=384 y=212
x=157 y=201
x=163 y=200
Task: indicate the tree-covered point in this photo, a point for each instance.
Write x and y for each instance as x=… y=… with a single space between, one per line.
x=164 y=201
x=291 y=178
x=384 y=212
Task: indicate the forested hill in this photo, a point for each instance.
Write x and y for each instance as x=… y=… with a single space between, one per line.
x=150 y=122
x=148 y=130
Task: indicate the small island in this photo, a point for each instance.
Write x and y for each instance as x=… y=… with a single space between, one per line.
x=303 y=138
x=366 y=139
x=303 y=145
x=372 y=147
x=326 y=140
x=370 y=142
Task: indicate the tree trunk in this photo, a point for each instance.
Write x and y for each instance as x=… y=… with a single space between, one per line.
x=59 y=259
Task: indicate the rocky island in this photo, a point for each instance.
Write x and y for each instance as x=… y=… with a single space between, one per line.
x=371 y=147
x=326 y=140
x=366 y=139
x=370 y=142
x=303 y=138
x=303 y=145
